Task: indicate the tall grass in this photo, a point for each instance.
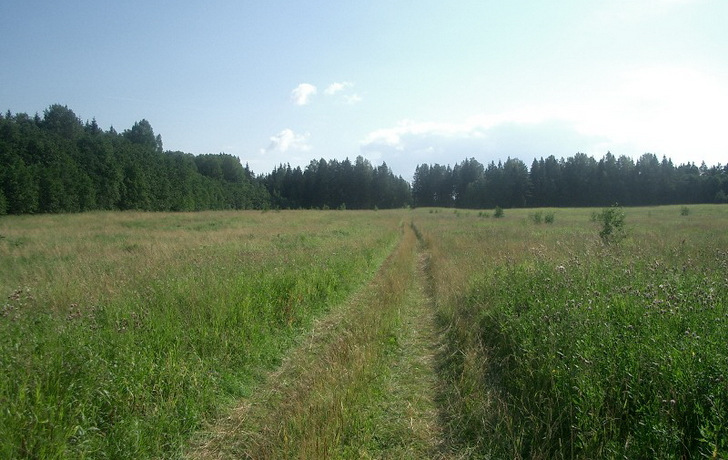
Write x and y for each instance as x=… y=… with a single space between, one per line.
x=609 y=357
x=326 y=400
x=557 y=346
x=122 y=332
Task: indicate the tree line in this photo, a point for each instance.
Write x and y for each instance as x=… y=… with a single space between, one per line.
x=56 y=163
x=337 y=185
x=579 y=180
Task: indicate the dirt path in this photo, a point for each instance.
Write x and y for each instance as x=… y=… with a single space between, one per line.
x=412 y=388
x=362 y=384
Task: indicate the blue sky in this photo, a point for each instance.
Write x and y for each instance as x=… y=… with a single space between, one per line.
x=398 y=81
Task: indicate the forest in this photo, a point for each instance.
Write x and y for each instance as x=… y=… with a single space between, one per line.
x=57 y=163
x=578 y=181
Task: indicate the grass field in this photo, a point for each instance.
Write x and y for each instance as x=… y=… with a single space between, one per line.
x=558 y=346
x=120 y=332
x=398 y=334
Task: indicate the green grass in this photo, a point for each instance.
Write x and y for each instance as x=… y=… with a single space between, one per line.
x=133 y=335
x=122 y=333
x=350 y=389
x=558 y=346
x=619 y=358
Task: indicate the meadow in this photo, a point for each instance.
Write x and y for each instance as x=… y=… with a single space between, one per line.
x=120 y=333
x=388 y=334
x=557 y=345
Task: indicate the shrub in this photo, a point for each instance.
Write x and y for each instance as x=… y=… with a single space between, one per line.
x=549 y=218
x=684 y=211
x=498 y=213
x=612 y=224
x=536 y=217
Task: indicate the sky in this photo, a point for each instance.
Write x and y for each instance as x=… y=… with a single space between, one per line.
x=401 y=82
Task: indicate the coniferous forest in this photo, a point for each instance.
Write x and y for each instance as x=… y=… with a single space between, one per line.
x=578 y=181
x=56 y=163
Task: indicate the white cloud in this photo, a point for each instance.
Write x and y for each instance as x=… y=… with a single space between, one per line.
x=408 y=133
x=337 y=87
x=352 y=98
x=487 y=138
x=342 y=89
x=671 y=111
x=302 y=94
x=288 y=140
x=490 y=136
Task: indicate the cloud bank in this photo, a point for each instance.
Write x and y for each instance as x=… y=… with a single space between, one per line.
x=411 y=143
x=671 y=111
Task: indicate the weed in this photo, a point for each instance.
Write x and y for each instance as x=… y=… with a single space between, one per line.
x=612 y=229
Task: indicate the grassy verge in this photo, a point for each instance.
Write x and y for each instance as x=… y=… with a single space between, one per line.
x=560 y=347
x=121 y=333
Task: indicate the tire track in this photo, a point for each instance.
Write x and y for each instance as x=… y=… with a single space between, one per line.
x=362 y=384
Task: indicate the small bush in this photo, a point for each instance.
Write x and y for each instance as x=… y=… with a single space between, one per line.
x=684 y=211
x=498 y=213
x=612 y=224
x=539 y=217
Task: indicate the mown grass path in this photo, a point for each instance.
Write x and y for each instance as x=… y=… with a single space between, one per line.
x=361 y=385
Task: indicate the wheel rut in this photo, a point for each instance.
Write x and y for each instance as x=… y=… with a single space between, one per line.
x=361 y=384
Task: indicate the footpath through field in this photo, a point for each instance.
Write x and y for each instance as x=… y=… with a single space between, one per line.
x=362 y=384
